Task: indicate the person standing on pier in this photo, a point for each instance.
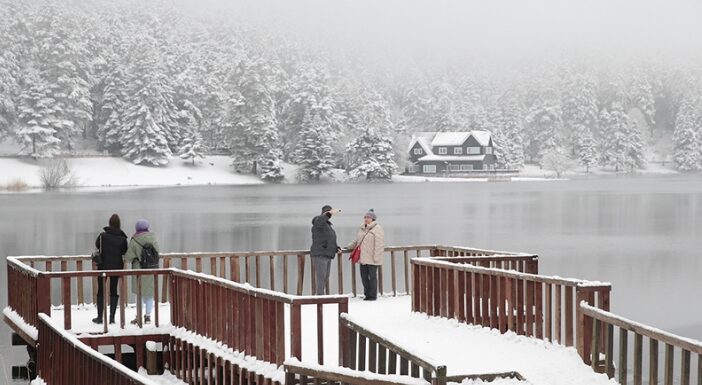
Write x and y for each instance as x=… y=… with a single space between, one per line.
x=111 y=245
x=371 y=238
x=324 y=247
x=141 y=240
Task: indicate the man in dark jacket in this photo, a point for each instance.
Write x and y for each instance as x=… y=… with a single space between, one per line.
x=112 y=243
x=324 y=247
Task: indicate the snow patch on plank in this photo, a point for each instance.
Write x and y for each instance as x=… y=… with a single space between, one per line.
x=17 y=319
x=251 y=364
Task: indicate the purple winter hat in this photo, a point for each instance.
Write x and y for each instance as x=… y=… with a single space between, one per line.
x=142 y=225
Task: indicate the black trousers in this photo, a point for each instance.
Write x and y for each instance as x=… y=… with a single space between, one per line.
x=113 y=282
x=369 y=277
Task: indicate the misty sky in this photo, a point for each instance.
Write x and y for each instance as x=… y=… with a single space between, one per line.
x=516 y=30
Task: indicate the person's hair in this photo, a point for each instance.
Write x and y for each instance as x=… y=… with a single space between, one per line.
x=326 y=208
x=114 y=222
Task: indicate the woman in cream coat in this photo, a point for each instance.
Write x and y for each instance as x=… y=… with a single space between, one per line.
x=371 y=237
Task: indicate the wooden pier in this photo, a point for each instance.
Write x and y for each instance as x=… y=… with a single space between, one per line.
x=236 y=318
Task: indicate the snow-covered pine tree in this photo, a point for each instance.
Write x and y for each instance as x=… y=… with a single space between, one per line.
x=545 y=125
x=9 y=89
x=687 y=138
x=640 y=96
x=585 y=146
x=60 y=60
x=507 y=138
x=251 y=121
x=622 y=146
x=110 y=125
x=150 y=127
x=192 y=148
x=313 y=152
x=144 y=140
x=40 y=120
x=580 y=114
x=371 y=156
x=309 y=92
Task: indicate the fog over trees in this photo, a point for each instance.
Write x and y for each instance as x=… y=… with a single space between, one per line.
x=329 y=85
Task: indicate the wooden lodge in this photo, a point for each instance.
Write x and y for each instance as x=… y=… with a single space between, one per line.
x=236 y=318
x=451 y=153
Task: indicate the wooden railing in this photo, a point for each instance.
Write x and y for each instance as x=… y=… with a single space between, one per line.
x=64 y=360
x=30 y=291
x=254 y=319
x=283 y=271
x=297 y=373
x=605 y=326
x=369 y=351
x=196 y=363
x=23 y=285
x=527 y=304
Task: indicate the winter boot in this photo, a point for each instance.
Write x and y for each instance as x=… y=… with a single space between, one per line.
x=114 y=303
x=98 y=319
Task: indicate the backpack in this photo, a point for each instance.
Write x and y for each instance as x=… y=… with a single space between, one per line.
x=149 y=256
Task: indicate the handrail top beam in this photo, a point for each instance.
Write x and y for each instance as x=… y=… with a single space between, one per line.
x=579 y=283
x=688 y=344
x=44 y=258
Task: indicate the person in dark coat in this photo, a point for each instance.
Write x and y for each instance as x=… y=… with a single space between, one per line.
x=112 y=243
x=324 y=247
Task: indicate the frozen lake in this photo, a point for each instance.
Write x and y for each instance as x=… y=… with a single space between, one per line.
x=643 y=233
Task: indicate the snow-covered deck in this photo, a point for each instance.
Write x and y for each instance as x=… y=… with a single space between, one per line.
x=464 y=349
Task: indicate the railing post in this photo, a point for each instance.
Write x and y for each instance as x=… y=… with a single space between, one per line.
x=300 y=273
x=43 y=297
x=343 y=335
x=440 y=378
x=295 y=331
x=580 y=326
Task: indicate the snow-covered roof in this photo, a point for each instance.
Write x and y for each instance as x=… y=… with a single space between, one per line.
x=424 y=139
x=428 y=140
x=452 y=158
x=450 y=138
x=483 y=137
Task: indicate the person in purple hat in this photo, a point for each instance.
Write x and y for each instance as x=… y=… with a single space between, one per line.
x=142 y=244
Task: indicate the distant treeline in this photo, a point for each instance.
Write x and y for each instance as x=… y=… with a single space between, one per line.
x=146 y=80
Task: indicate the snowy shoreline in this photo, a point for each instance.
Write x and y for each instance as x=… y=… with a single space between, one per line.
x=114 y=173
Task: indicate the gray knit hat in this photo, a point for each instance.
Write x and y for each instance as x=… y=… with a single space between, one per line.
x=371 y=214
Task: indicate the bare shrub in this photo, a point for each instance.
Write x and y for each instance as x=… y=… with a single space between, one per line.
x=16 y=185
x=56 y=174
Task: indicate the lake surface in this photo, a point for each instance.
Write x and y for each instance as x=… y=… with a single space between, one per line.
x=643 y=234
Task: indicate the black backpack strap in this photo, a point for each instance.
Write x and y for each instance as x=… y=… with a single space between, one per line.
x=138 y=258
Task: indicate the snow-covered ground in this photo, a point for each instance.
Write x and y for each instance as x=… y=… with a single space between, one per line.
x=464 y=349
x=117 y=172
x=467 y=349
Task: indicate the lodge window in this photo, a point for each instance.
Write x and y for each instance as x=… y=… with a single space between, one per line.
x=488 y=150
x=466 y=167
x=473 y=150
x=429 y=168
x=442 y=151
x=458 y=151
x=417 y=151
x=454 y=167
